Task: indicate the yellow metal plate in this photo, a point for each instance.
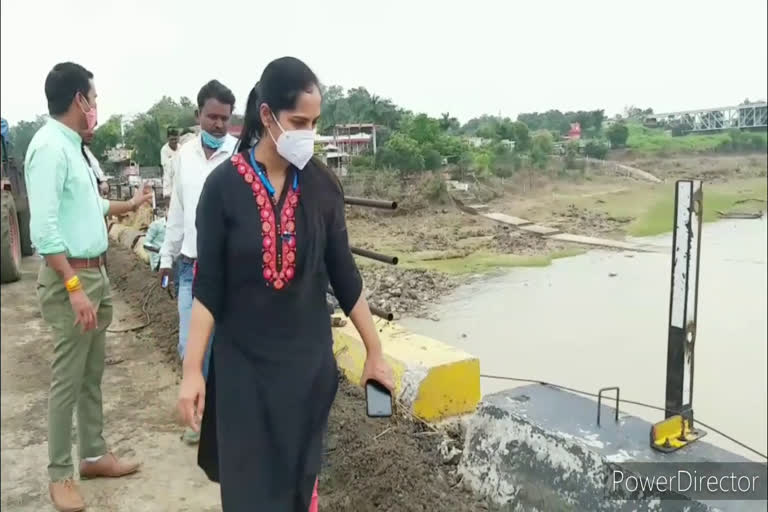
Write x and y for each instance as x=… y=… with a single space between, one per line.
x=673 y=433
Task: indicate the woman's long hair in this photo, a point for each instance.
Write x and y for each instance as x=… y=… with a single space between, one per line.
x=281 y=83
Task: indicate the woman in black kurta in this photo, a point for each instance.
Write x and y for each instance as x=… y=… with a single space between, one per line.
x=271 y=237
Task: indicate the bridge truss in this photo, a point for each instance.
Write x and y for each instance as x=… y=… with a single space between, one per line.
x=741 y=117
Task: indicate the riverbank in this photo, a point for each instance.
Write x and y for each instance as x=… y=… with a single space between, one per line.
x=443 y=239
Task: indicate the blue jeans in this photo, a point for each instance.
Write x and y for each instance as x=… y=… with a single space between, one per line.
x=185 y=273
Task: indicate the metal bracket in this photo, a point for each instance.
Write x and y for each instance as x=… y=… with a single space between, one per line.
x=600 y=399
x=674 y=433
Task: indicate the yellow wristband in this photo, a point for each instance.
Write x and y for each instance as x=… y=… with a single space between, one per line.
x=73 y=284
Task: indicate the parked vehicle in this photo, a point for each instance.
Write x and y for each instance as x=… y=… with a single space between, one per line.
x=15 y=239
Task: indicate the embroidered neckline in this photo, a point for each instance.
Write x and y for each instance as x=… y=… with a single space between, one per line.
x=278 y=269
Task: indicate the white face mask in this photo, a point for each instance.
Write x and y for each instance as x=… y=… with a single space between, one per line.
x=296 y=146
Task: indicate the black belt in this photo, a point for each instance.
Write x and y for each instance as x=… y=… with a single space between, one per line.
x=187 y=259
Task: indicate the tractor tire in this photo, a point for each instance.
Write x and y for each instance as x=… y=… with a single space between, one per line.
x=24 y=234
x=10 y=242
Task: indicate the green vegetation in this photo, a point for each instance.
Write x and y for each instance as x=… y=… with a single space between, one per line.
x=484 y=261
x=596 y=149
x=658 y=217
x=654 y=140
x=618 y=134
x=410 y=142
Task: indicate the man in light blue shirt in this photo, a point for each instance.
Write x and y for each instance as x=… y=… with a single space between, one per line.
x=67 y=228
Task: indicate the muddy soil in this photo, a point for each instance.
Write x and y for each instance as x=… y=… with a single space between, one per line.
x=405 y=291
x=588 y=222
x=371 y=465
x=137 y=286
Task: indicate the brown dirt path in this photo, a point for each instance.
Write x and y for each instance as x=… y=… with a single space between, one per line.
x=139 y=396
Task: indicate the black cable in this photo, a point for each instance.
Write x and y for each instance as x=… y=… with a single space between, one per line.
x=624 y=400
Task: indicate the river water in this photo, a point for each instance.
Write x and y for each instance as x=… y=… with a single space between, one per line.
x=600 y=319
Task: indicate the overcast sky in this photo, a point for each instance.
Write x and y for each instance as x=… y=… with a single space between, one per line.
x=466 y=57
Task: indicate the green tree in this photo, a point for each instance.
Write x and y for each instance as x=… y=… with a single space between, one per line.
x=168 y=112
x=521 y=135
x=146 y=136
x=403 y=153
x=618 y=133
x=146 y=133
x=20 y=135
x=451 y=147
x=465 y=162
x=433 y=160
x=107 y=136
x=482 y=162
x=505 y=164
x=571 y=154
x=596 y=149
x=449 y=124
x=357 y=106
x=423 y=129
x=542 y=145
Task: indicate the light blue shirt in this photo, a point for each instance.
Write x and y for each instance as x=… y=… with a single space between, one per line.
x=66 y=210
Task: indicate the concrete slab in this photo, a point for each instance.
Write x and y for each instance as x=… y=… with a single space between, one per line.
x=605 y=242
x=539 y=448
x=539 y=230
x=506 y=219
x=433 y=380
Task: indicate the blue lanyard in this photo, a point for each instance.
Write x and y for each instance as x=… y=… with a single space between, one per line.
x=263 y=177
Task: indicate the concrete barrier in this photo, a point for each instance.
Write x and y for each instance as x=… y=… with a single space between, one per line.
x=129 y=238
x=115 y=229
x=539 y=448
x=139 y=251
x=433 y=380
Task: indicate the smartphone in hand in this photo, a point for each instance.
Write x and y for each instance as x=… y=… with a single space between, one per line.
x=378 y=400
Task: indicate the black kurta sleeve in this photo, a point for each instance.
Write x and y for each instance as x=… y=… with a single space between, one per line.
x=342 y=270
x=211 y=244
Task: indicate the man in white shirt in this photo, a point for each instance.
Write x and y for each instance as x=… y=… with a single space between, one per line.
x=167 y=152
x=193 y=163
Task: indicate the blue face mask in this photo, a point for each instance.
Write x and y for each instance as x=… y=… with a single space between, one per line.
x=210 y=141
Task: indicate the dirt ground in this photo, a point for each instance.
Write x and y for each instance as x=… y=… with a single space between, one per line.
x=371 y=465
x=139 y=396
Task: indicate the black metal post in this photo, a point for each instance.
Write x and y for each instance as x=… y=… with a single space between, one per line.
x=683 y=301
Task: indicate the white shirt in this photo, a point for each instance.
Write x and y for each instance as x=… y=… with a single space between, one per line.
x=94 y=164
x=191 y=170
x=166 y=158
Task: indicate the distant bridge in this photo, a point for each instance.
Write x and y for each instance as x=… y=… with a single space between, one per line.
x=740 y=117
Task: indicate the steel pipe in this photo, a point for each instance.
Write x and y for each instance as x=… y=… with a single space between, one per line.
x=371 y=203
x=392 y=260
